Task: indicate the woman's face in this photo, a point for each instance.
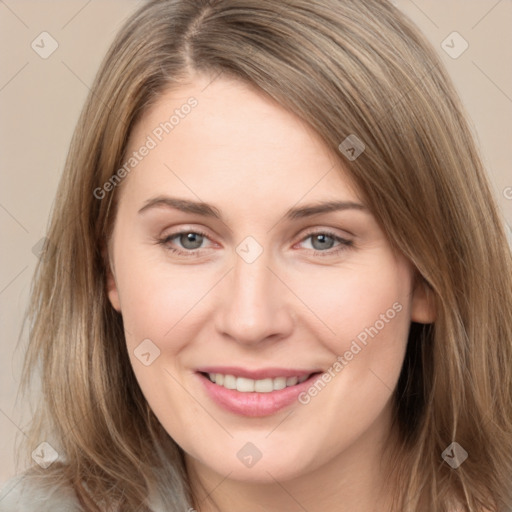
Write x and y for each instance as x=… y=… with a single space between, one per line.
x=264 y=289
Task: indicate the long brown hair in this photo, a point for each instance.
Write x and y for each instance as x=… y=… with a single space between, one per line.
x=351 y=67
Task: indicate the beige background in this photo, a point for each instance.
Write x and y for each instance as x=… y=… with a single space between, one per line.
x=40 y=100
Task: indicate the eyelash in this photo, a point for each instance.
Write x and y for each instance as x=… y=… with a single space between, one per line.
x=344 y=243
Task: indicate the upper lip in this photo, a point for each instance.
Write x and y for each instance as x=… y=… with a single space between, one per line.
x=257 y=374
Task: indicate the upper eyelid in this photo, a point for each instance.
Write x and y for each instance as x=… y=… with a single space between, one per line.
x=329 y=231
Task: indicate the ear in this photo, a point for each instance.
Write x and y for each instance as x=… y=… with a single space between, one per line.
x=111 y=285
x=423 y=310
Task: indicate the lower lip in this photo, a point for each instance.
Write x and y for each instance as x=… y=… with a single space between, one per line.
x=254 y=404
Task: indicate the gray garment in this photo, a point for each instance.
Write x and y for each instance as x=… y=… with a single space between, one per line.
x=31 y=494
x=35 y=494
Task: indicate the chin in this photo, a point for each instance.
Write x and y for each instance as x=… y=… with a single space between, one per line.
x=267 y=469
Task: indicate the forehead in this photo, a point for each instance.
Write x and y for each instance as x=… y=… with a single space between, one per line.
x=226 y=138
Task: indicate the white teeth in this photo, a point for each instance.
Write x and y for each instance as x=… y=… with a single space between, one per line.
x=279 y=383
x=229 y=381
x=246 y=385
x=264 y=385
x=291 y=381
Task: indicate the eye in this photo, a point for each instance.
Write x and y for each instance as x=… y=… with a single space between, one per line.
x=190 y=240
x=323 y=241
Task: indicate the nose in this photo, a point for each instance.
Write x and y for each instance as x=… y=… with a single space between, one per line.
x=255 y=305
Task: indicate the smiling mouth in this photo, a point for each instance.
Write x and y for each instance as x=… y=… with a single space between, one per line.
x=246 y=385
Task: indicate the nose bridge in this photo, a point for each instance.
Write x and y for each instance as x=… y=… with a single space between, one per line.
x=255 y=307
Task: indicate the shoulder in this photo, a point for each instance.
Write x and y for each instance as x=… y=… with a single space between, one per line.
x=34 y=492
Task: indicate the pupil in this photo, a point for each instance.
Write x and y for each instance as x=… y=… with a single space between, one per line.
x=191 y=238
x=321 y=238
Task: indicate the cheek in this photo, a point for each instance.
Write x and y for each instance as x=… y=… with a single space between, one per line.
x=155 y=298
x=158 y=312
x=360 y=302
x=365 y=318
x=369 y=311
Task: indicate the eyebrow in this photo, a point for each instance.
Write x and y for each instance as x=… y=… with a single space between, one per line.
x=208 y=210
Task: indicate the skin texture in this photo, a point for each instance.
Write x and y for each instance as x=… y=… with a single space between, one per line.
x=292 y=308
